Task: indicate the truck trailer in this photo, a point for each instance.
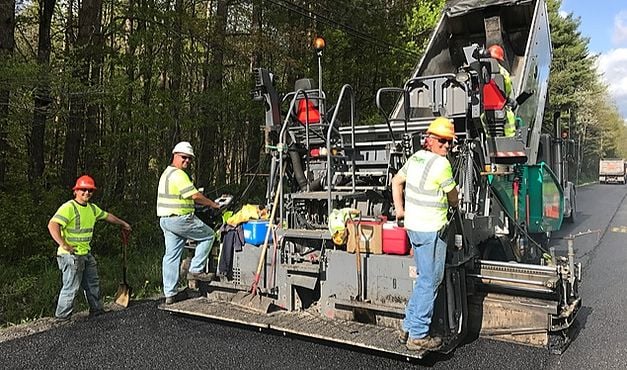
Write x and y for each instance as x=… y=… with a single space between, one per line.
x=612 y=171
x=501 y=281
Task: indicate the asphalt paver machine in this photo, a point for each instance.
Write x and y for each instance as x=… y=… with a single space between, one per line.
x=500 y=280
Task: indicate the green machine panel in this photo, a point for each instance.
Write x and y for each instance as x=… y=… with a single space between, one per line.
x=540 y=198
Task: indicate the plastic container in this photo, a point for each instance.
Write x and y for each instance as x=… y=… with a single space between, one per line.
x=395 y=240
x=255 y=232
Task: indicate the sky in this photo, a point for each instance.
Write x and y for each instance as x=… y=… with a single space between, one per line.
x=604 y=22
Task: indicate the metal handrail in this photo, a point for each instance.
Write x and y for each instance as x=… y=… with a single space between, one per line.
x=281 y=144
x=345 y=88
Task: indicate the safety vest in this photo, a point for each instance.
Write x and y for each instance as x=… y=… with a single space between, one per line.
x=428 y=177
x=174 y=193
x=509 y=127
x=77 y=225
x=507 y=80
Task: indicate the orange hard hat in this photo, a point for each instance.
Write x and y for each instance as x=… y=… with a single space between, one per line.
x=85 y=182
x=496 y=52
x=442 y=127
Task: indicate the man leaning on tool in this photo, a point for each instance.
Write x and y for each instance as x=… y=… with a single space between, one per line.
x=175 y=207
x=429 y=190
x=72 y=227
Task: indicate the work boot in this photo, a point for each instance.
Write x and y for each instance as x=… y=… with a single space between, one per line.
x=169 y=300
x=96 y=313
x=222 y=277
x=402 y=337
x=202 y=276
x=428 y=343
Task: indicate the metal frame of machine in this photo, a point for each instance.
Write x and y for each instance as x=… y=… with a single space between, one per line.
x=499 y=280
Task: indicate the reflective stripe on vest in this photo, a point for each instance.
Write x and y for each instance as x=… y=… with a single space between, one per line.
x=169 y=203
x=78 y=234
x=419 y=196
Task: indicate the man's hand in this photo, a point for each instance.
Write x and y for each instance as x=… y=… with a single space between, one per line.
x=68 y=248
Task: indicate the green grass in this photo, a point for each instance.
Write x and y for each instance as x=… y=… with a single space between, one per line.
x=29 y=289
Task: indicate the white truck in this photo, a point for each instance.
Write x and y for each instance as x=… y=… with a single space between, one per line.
x=612 y=171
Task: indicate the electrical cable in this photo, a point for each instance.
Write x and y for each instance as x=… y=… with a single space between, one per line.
x=350 y=30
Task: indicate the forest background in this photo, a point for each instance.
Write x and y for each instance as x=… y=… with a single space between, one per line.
x=107 y=87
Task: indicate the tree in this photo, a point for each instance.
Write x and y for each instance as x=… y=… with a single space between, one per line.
x=7 y=43
x=42 y=97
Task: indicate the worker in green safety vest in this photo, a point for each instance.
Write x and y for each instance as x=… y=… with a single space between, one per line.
x=176 y=196
x=429 y=190
x=72 y=228
x=497 y=52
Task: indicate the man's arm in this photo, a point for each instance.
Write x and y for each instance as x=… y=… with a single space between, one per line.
x=453 y=197
x=397 y=195
x=55 y=231
x=199 y=198
x=111 y=218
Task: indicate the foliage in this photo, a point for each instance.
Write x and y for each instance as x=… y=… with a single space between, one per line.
x=576 y=90
x=123 y=89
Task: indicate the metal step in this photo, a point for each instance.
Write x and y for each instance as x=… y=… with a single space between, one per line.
x=303 y=323
x=335 y=195
x=321 y=234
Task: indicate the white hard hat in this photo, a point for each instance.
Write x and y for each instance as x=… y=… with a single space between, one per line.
x=184 y=147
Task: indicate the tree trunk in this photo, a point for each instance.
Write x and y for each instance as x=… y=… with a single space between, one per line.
x=213 y=88
x=175 y=78
x=88 y=28
x=121 y=164
x=42 y=92
x=95 y=57
x=7 y=43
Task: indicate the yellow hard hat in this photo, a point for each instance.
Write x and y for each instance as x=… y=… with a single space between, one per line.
x=442 y=127
x=339 y=237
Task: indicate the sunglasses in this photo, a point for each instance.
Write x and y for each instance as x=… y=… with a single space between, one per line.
x=186 y=157
x=443 y=141
x=86 y=190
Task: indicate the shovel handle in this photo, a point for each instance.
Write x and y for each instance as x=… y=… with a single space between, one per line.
x=125 y=235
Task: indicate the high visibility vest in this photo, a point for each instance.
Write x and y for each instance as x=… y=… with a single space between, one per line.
x=509 y=128
x=174 y=193
x=428 y=177
x=507 y=79
x=77 y=225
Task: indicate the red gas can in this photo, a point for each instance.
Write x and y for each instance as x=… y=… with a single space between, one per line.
x=395 y=240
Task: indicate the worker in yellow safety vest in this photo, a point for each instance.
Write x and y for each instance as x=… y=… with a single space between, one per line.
x=176 y=196
x=497 y=52
x=72 y=227
x=429 y=190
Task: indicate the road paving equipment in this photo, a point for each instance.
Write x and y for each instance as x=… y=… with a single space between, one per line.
x=500 y=280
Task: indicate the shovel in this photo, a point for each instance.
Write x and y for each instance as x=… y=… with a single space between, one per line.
x=123 y=295
x=253 y=300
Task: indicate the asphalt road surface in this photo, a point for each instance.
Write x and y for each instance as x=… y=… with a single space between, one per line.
x=144 y=337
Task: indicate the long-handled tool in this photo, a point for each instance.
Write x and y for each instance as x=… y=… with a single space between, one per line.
x=123 y=295
x=361 y=314
x=253 y=300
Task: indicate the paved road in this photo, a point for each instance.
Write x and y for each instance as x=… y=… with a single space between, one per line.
x=144 y=337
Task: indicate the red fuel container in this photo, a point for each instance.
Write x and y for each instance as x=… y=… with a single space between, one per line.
x=395 y=240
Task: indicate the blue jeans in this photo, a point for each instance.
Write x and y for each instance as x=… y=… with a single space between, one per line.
x=430 y=257
x=78 y=272
x=177 y=230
